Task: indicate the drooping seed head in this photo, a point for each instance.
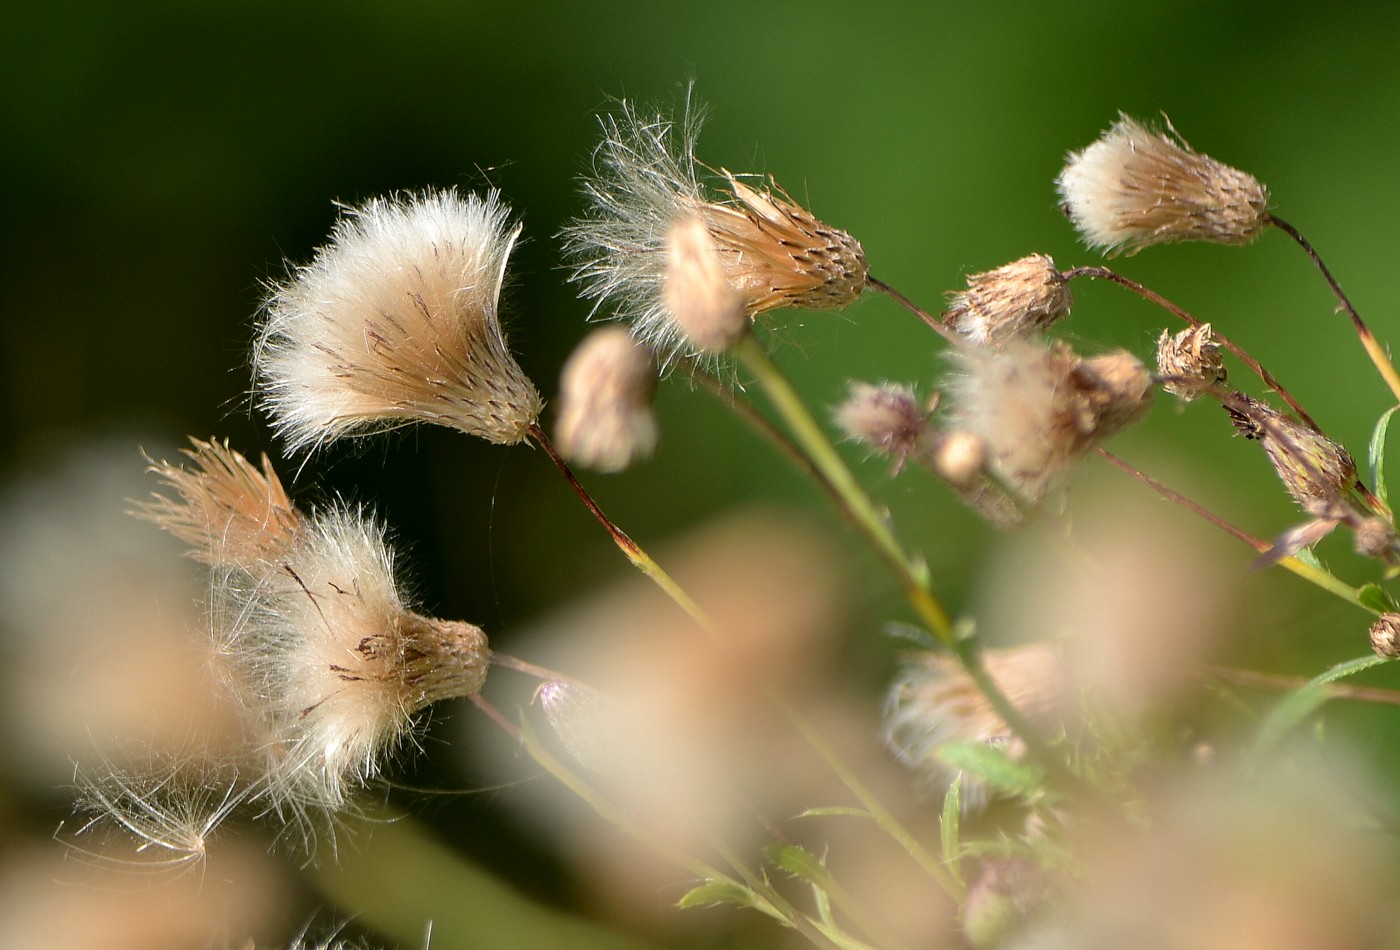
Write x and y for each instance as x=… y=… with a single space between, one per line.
x=1014 y=300
x=645 y=182
x=1190 y=362
x=1136 y=187
x=606 y=419
x=395 y=321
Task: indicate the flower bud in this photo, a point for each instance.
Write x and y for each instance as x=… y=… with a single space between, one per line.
x=1316 y=471
x=1014 y=300
x=606 y=420
x=1189 y=362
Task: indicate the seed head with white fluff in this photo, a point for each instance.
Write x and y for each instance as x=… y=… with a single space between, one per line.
x=395 y=321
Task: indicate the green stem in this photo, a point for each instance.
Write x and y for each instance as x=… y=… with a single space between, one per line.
x=913 y=574
x=634 y=552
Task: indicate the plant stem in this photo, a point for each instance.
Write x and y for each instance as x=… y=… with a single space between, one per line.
x=913 y=574
x=1372 y=346
x=634 y=552
x=915 y=309
x=1357 y=694
x=1153 y=297
x=1308 y=572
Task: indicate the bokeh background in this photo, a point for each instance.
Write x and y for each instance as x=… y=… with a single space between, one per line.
x=162 y=160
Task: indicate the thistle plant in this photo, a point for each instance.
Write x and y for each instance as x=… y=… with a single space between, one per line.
x=1042 y=753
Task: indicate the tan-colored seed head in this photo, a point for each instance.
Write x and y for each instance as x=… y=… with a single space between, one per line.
x=1190 y=362
x=1011 y=301
x=1136 y=187
x=606 y=420
x=1316 y=471
x=697 y=291
x=229 y=513
x=1385 y=635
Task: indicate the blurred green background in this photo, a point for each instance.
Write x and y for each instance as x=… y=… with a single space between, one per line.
x=163 y=160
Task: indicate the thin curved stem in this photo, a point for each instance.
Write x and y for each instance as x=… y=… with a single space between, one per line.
x=928 y=318
x=1095 y=271
x=1372 y=346
x=634 y=552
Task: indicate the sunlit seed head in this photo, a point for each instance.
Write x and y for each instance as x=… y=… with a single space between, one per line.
x=1136 y=187
x=1189 y=362
x=886 y=417
x=1318 y=473
x=1014 y=300
x=606 y=419
x=645 y=182
x=395 y=321
x=1385 y=635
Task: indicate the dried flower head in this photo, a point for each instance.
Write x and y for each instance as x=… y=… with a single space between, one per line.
x=1136 y=187
x=606 y=420
x=331 y=662
x=934 y=703
x=1385 y=635
x=1374 y=536
x=226 y=510
x=774 y=253
x=1038 y=410
x=706 y=307
x=1190 y=362
x=395 y=321
x=1317 y=472
x=1014 y=300
x=887 y=417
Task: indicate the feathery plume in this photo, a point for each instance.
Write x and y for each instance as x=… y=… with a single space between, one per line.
x=1136 y=187
x=606 y=420
x=888 y=418
x=1015 y=300
x=395 y=321
x=774 y=253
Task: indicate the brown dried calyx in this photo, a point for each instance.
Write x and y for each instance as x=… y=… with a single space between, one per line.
x=1189 y=362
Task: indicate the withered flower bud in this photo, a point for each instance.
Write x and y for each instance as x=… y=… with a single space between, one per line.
x=1014 y=300
x=1190 y=362
x=1374 y=537
x=606 y=420
x=1385 y=635
x=706 y=306
x=961 y=459
x=888 y=418
x=1136 y=187
x=1316 y=471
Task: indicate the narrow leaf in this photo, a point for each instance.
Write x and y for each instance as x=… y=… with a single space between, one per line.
x=1375 y=597
x=1303 y=702
x=993 y=766
x=949 y=828
x=713 y=893
x=799 y=862
x=1377 y=455
x=841 y=810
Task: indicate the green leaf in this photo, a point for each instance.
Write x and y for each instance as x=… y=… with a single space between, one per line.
x=1377 y=454
x=713 y=893
x=842 y=810
x=800 y=863
x=1374 y=597
x=1307 y=556
x=949 y=828
x=1303 y=702
x=994 y=767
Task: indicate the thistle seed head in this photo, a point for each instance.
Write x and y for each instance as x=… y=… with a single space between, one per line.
x=707 y=308
x=1014 y=300
x=1038 y=410
x=646 y=181
x=606 y=420
x=1136 y=187
x=887 y=418
x=395 y=321
x=1190 y=362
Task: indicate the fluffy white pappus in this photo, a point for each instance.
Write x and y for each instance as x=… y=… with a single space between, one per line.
x=606 y=419
x=166 y=814
x=644 y=182
x=395 y=321
x=1038 y=410
x=331 y=662
x=1136 y=187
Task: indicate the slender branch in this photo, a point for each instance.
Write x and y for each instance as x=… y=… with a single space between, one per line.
x=1359 y=694
x=1094 y=271
x=1373 y=348
x=1308 y=572
x=530 y=669
x=639 y=558
x=943 y=329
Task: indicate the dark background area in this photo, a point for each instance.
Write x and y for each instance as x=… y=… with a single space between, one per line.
x=163 y=159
